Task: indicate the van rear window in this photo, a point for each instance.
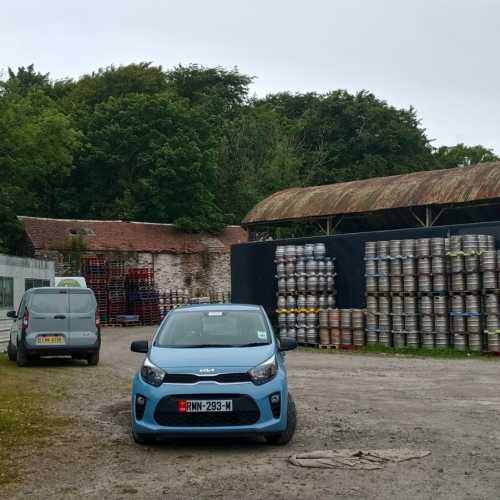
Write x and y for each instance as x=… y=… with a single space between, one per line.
x=50 y=303
x=80 y=302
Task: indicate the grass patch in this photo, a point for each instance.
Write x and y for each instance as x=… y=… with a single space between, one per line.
x=389 y=351
x=26 y=395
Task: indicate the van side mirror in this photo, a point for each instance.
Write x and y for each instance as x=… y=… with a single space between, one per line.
x=12 y=314
x=287 y=344
x=140 y=346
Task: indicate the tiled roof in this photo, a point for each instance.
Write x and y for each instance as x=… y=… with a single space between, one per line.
x=100 y=235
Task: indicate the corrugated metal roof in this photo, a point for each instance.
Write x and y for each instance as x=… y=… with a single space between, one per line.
x=434 y=187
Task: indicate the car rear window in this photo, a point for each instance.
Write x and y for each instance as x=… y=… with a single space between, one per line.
x=80 y=302
x=50 y=302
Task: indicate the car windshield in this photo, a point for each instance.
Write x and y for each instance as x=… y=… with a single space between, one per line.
x=214 y=329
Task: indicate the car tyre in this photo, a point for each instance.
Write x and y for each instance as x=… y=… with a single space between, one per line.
x=93 y=359
x=22 y=358
x=11 y=352
x=140 y=438
x=285 y=436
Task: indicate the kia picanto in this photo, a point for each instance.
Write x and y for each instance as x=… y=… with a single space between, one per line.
x=213 y=370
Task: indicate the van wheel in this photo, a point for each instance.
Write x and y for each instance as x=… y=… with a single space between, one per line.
x=291 y=423
x=22 y=357
x=140 y=438
x=11 y=352
x=93 y=359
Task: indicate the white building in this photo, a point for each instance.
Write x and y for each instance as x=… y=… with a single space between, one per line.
x=18 y=274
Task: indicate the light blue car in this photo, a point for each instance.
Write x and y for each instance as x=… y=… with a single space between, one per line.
x=213 y=370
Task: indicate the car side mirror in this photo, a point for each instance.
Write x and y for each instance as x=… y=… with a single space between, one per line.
x=12 y=314
x=140 y=346
x=287 y=344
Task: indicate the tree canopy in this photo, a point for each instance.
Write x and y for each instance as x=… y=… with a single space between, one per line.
x=188 y=145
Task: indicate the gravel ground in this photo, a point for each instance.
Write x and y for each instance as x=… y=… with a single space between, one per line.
x=449 y=407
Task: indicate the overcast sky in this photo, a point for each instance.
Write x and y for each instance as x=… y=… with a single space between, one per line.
x=441 y=56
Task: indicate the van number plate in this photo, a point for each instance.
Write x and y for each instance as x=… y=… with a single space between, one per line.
x=50 y=339
x=204 y=405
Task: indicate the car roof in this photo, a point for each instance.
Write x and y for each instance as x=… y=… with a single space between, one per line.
x=218 y=307
x=46 y=289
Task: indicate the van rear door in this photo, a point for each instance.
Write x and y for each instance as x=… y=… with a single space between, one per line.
x=82 y=309
x=48 y=312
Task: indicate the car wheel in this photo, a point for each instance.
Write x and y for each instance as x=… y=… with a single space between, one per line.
x=22 y=357
x=93 y=359
x=140 y=438
x=285 y=436
x=11 y=352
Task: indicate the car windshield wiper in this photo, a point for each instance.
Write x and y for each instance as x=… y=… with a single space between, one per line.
x=202 y=346
x=252 y=344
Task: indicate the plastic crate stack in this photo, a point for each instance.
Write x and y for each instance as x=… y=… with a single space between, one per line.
x=117 y=297
x=142 y=297
x=94 y=272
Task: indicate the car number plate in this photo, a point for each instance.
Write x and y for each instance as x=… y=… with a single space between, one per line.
x=50 y=339
x=206 y=405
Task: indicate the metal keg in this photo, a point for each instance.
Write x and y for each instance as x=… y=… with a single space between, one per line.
x=470 y=243
x=426 y=305
x=457 y=264
x=301 y=335
x=473 y=324
x=292 y=333
x=321 y=268
x=409 y=283
x=472 y=308
x=428 y=341
x=410 y=305
x=441 y=324
x=321 y=283
x=438 y=265
x=395 y=267
x=309 y=251
x=290 y=253
x=383 y=283
x=345 y=319
x=408 y=248
x=458 y=282
x=371 y=337
x=384 y=323
x=491 y=242
x=299 y=251
x=396 y=284
x=301 y=320
x=472 y=304
x=409 y=266
x=371 y=304
x=324 y=336
x=334 y=318
x=371 y=284
x=311 y=320
x=312 y=283
x=291 y=320
x=492 y=324
x=441 y=340
x=455 y=244
x=370 y=249
x=395 y=248
x=494 y=343
x=371 y=323
x=301 y=283
x=358 y=337
x=282 y=320
x=412 y=340
x=491 y=304
x=279 y=253
x=282 y=285
x=300 y=266
x=482 y=243
x=323 y=318
x=426 y=324
x=457 y=304
x=330 y=301
x=291 y=302
x=329 y=266
x=397 y=323
x=471 y=263
x=397 y=305
x=423 y=247
x=357 y=319
x=383 y=267
x=280 y=269
x=322 y=304
x=311 y=267
x=410 y=323
x=475 y=342
x=384 y=305
x=424 y=265
x=382 y=248
x=489 y=280
x=311 y=302
x=291 y=284
x=301 y=301
x=311 y=335
x=319 y=250
x=437 y=247
x=399 y=340
x=488 y=260
x=290 y=268
x=439 y=283
x=458 y=323
x=459 y=342
x=440 y=304
x=346 y=336
x=283 y=333
x=330 y=282
x=424 y=282
x=335 y=336
x=473 y=282
x=384 y=338
x=281 y=302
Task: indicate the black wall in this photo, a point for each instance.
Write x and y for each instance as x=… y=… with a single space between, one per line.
x=253 y=269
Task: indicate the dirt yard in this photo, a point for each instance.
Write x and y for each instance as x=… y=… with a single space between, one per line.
x=449 y=407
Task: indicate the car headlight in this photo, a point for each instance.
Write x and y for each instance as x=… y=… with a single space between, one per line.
x=151 y=373
x=265 y=371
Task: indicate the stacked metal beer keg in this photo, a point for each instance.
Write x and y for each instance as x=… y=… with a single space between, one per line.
x=306 y=287
x=342 y=328
x=490 y=269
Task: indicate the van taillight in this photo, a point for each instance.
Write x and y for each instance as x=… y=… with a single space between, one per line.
x=26 y=318
x=97 y=319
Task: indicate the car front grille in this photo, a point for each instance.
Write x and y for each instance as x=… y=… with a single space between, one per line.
x=245 y=412
x=192 y=378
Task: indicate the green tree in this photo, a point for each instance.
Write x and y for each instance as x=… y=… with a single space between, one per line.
x=461 y=155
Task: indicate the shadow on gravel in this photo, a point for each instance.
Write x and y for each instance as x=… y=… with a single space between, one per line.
x=56 y=362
